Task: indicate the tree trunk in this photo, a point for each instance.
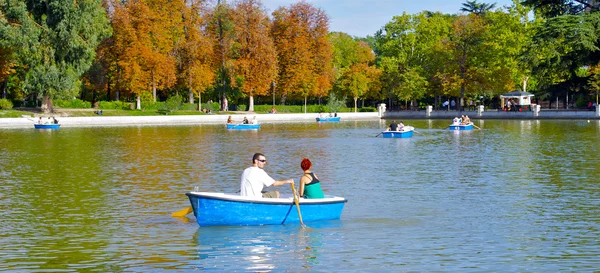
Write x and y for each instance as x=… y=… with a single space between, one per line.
x=4 y=85
x=283 y=97
x=251 y=104
x=153 y=87
x=47 y=105
x=199 y=102
x=191 y=96
x=138 y=103
x=305 y=98
x=355 y=100
x=525 y=84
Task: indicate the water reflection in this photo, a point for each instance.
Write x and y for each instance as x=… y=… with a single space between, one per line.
x=264 y=248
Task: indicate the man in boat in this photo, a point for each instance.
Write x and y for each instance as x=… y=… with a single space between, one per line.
x=254 y=179
x=393 y=126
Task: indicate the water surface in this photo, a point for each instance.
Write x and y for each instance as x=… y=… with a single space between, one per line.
x=515 y=196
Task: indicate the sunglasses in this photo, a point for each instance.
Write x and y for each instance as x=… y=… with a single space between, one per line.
x=262 y=160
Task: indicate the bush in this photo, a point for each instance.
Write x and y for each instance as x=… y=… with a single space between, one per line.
x=189 y=107
x=211 y=106
x=153 y=105
x=173 y=103
x=114 y=105
x=367 y=109
x=5 y=104
x=75 y=103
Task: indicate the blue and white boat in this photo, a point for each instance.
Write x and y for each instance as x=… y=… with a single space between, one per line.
x=328 y=119
x=221 y=209
x=242 y=126
x=405 y=132
x=46 y=126
x=461 y=127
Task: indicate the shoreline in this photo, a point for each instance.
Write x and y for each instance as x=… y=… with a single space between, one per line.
x=494 y=114
x=109 y=121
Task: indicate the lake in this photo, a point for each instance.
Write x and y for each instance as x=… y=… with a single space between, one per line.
x=517 y=196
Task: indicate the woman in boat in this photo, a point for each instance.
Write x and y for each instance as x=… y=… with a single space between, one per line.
x=310 y=186
x=229 y=120
x=466 y=120
x=245 y=120
x=401 y=126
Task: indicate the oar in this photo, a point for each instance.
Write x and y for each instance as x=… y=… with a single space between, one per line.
x=297 y=204
x=182 y=213
x=476 y=126
x=379 y=134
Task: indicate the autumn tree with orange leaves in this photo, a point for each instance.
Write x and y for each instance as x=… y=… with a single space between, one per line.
x=221 y=28
x=255 y=66
x=303 y=51
x=194 y=52
x=145 y=33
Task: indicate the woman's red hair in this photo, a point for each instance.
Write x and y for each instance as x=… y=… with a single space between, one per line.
x=305 y=164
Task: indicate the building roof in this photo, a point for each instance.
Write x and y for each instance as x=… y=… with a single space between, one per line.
x=516 y=94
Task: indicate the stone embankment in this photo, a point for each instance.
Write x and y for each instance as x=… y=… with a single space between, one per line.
x=176 y=119
x=494 y=114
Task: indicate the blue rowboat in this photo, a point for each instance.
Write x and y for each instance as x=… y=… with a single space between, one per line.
x=221 y=209
x=46 y=126
x=242 y=126
x=461 y=127
x=407 y=131
x=328 y=119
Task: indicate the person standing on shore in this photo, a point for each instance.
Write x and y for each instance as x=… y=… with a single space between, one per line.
x=254 y=179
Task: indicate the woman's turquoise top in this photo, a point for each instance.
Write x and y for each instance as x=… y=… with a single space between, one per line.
x=313 y=189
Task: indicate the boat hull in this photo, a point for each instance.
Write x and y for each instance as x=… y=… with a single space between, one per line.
x=243 y=126
x=219 y=209
x=463 y=127
x=46 y=126
x=328 y=119
x=406 y=133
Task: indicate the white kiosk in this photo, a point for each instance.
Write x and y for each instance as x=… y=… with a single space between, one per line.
x=519 y=101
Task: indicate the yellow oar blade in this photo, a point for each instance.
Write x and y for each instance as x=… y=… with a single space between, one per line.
x=182 y=213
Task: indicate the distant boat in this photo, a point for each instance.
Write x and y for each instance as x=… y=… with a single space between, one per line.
x=461 y=127
x=242 y=126
x=407 y=132
x=221 y=209
x=328 y=119
x=46 y=126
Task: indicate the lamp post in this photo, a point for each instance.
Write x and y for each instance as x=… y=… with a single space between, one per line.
x=273 y=89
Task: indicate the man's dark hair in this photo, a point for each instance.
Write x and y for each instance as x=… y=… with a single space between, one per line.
x=256 y=156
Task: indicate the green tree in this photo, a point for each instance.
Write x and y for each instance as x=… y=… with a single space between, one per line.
x=54 y=43
x=476 y=7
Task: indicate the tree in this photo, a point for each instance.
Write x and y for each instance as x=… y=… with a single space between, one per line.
x=466 y=72
x=410 y=45
x=561 y=47
x=303 y=51
x=53 y=43
x=354 y=65
x=222 y=28
x=476 y=7
x=194 y=53
x=255 y=56
x=553 y=8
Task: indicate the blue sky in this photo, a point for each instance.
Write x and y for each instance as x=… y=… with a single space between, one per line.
x=364 y=17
